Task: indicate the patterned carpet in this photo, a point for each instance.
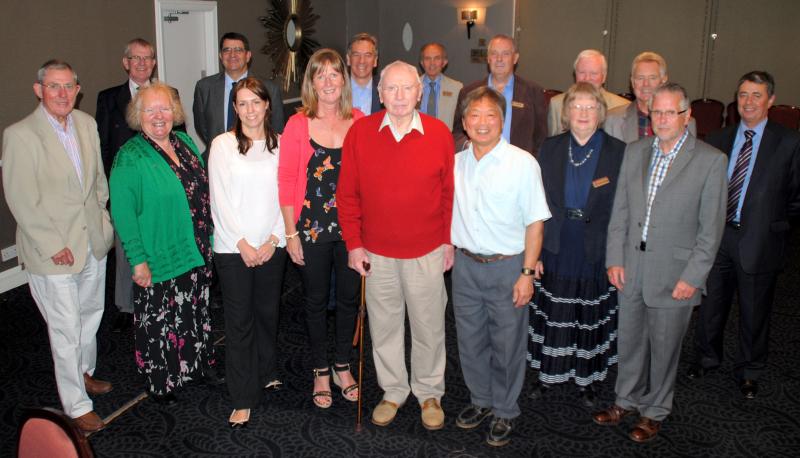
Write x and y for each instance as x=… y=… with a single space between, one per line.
x=710 y=418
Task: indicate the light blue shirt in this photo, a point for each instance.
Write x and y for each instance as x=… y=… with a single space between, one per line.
x=362 y=96
x=508 y=93
x=737 y=147
x=496 y=199
x=426 y=93
x=227 y=94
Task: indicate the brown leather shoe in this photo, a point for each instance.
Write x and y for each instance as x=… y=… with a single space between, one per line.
x=611 y=416
x=645 y=430
x=89 y=422
x=94 y=386
x=432 y=414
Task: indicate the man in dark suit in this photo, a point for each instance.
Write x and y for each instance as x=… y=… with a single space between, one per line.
x=666 y=225
x=362 y=58
x=213 y=108
x=525 y=124
x=139 y=60
x=763 y=185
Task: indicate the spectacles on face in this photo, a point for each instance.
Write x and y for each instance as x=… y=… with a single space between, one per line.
x=668 y=114
x=579 y=107
x=154 y=110
x=236 y=50
x=55 y=87
x=140 y=59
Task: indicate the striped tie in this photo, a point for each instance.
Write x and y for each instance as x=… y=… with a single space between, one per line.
x=736 y=184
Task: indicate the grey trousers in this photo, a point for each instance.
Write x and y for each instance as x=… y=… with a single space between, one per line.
x=123 y=280
x=492 y=333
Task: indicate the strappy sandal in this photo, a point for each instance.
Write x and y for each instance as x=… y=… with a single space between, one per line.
x=237 y=423
x=349 y=392
x=322 y=394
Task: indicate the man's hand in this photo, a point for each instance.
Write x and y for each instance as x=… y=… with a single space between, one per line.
x=356 y=259
x=449 y=256
x=142 y=275
x=523 y=290
x=616 y=276
x=683 y=291
x=63 y=258
x=538 y=270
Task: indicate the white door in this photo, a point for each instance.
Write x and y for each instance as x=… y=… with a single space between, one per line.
x=186 y=39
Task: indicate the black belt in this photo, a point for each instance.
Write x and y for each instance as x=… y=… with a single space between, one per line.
x=734 y=226
x=574 y=213
x=484 y=258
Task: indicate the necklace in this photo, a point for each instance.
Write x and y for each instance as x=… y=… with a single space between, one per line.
x=572 y=160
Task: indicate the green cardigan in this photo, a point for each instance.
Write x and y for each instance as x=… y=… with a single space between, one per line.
x=150 y=210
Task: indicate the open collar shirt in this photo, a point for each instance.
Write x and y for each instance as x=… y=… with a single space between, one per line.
x=362 y=96
x=508 y=93
x=659 y=166
x=416 y=124
x=69 y=139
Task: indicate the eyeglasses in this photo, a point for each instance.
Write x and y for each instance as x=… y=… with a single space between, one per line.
x=154 y=110
x=55 y=87
x=579 y=107
x=232 y=50
x=140 y=59
x=669 y=114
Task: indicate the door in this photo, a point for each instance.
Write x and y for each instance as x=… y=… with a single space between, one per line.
x=186 y=39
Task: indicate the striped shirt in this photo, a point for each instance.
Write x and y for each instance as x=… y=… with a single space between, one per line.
x=69 y=139
x=659 y=166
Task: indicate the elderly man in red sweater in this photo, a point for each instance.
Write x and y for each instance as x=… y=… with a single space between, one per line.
x=395 y=202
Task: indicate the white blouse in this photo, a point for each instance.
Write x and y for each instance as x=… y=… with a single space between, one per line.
x=244 y=194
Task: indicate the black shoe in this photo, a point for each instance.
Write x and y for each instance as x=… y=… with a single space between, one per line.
x=472 y=416
x=697 y=371
x=499 y=432
x=587 y=395
x=212 y=378
x=539 y=390
x=749 y=388
x=167 y=400
x=122 y=322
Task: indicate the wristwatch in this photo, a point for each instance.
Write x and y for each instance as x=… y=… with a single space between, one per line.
x=527 y=271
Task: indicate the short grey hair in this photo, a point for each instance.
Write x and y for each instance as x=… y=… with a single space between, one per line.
x=591 y=53
x=672 y=88
x=502 y=36
x=54 y=64
x=141 y=42
x=650 y=56
x=399 y=63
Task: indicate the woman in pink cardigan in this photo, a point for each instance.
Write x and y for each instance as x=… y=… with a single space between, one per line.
x=308 y=172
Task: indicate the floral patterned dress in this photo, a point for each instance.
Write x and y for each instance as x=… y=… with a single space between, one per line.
x=173 y=327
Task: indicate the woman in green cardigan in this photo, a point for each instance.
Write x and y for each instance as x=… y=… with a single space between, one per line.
x=160 y=207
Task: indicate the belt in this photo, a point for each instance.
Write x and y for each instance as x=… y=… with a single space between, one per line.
x=484 y=258
x=734 y=226
x=574 y=213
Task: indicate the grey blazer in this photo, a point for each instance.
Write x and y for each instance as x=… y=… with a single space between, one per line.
x=686 y=221
x=209 y=111
x=623 y=123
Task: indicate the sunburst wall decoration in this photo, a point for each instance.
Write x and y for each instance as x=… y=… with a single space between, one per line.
x=289 y=24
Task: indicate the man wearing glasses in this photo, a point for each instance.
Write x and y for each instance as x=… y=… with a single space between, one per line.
x=213 y=106
x=56 y=189
x=666 y=226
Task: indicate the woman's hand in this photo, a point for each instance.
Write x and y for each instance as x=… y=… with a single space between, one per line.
x=266 y=251
x=249 y=254
x=295 y=250
x=142 y=275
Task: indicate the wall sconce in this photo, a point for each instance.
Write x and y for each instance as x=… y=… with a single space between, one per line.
x=470 y=17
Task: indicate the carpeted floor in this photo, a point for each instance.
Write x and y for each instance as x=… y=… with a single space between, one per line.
x=710 y=418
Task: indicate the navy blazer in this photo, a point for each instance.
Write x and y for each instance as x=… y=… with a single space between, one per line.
x=553 y=162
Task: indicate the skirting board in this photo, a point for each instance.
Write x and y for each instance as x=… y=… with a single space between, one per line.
x=11 y=278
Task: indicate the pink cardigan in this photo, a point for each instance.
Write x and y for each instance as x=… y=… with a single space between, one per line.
x=295 y=150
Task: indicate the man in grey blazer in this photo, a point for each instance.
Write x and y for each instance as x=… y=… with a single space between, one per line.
x=212 y=107
x=631 y=122
x=439 y=93
x=56 y=189
x=666 y=226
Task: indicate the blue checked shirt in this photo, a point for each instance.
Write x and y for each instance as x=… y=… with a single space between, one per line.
x=659 y=166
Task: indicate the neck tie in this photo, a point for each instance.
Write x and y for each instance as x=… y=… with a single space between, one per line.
x=736 y=184
x=431 y=108
x=231 y=111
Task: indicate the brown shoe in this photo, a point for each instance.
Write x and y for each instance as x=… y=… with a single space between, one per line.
x=89 y=422
x=611 y=416
x=645 y=430
x=95 y=386
x=432 y=414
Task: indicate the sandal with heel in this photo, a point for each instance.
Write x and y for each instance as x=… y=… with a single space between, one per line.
x=326 y=394
x=348 y=392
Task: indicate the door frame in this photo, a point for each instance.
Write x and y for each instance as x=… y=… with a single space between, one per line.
x=209 y=10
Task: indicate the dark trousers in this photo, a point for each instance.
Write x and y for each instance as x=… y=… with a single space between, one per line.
x=755 y=293
x=320 y=259
x=251 y=297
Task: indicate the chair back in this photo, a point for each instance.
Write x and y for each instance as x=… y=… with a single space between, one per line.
x=708 y=115
x=549 y=94
x=785 y=115
x=627 y=95
x=49 y=433
x=732 y=115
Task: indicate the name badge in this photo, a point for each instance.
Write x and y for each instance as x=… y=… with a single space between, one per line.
x=600 y=182
x=447 y=93
x=515 y=104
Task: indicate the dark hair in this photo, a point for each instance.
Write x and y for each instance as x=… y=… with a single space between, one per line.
x=234 y=36
x=758 y=77
x=484 y=92
x=256 y=87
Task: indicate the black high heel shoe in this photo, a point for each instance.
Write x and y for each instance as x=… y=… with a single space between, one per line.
x=587 y=395
x=167 y=400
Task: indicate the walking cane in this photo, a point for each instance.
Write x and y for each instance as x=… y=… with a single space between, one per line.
x=358 y=339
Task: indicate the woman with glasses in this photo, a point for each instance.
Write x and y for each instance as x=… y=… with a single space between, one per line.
x=574 y=309
x=160 y=206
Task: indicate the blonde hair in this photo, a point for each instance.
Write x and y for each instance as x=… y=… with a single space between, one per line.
x=134 y=108
x=308 y=95
x=586 y=89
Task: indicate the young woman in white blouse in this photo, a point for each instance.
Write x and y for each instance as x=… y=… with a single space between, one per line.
x=249 y=245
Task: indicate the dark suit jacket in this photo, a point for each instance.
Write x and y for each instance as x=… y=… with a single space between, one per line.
x=376 y=99
x=553 y=161
x=772 y=196
x=528 y=115
x=111 y=125
x=209 y=109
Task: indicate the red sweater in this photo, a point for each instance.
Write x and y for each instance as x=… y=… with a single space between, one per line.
x=396 y=199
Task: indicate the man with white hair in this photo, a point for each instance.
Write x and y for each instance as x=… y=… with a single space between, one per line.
x=591 y=67
x=395 y=201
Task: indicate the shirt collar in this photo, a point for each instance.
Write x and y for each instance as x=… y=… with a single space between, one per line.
x=355 y=85
x=510 y=83
x=54 y=122
x=426 y=79
x=134 y=87
x=229 y=81
x=416 y=124
x=674 y=151
x=759 y=128
x=498 y=153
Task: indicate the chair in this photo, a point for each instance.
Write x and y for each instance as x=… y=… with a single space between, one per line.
x=785 y=115
x=732 y=115
x=549 y=94
x=708 y=114
x=46 y=432
x=627 y=95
